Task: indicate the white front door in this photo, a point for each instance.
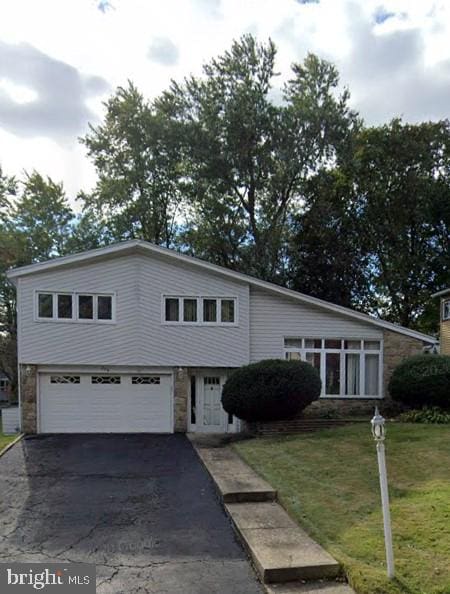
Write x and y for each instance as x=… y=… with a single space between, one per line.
x=212 y=417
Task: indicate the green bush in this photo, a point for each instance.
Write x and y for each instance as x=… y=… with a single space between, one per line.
x=270 y=390
x=425 y=415
x=423 y=380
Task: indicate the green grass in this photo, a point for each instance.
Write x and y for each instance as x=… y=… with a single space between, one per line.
x=328 y=481
x=5 y=439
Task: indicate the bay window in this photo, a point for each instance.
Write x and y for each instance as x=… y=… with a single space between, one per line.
x=347 y=367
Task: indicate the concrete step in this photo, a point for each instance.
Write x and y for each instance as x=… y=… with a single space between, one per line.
x=235 y=481
x=281 y=551
x=309 y=588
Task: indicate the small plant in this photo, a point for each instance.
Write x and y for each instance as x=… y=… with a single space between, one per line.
x=423 y=380
x=271 y=390
x=431 y=414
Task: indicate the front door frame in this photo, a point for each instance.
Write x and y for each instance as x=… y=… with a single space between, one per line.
x=198 y=426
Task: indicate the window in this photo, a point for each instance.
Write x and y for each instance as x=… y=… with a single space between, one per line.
x=172 y=310
x=189 y=310
x=45 y=305
x=64 y=379
x=200 y=310
x=85 y=307
x=210 y=310
x=147 y=380
x=333 y=373
x=104 y=307
x=105 y=379
x=347 y=367
x=193 y=410
x=74 y=307
x=65 y=306
x=446 y=309
x=227 y=311
x=371 y=375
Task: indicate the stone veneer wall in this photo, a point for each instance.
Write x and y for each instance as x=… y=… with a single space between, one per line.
x=397 y=347
x=28 y=396
x=181 y=390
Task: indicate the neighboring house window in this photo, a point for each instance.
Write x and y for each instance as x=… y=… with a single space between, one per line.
x=200 y=310
x=74 y=307
x=446 y=309
x=347 y=367
x=3 y=384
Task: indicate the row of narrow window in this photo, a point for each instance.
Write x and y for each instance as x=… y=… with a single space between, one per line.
x=106 y=379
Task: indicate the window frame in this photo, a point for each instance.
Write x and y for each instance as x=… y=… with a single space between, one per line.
x=75 y=319
x=200 y=310
x=362 y=352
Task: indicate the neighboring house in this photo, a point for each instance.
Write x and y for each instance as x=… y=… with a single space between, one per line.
x=4 y=388
x=137 y=338
x=444 y=320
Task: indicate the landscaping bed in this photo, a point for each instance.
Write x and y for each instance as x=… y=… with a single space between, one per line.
x=328 y=481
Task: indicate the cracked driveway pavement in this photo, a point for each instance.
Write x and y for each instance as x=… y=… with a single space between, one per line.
x=141 y=507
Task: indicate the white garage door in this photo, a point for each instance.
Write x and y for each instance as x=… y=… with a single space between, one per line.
x=105 y=403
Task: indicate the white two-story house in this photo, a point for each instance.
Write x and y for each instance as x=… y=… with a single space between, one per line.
x=137 y=338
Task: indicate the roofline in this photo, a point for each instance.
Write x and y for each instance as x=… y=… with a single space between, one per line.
x=137 y=243
x=440 y=293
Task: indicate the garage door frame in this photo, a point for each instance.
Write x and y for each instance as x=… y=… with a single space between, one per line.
x=113 y=370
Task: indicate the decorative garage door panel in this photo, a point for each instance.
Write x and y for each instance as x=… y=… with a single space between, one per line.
x=105 y=403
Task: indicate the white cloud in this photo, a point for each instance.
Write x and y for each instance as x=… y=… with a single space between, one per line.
x=393 y=54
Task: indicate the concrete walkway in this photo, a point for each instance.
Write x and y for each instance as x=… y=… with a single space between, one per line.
x=287 y=560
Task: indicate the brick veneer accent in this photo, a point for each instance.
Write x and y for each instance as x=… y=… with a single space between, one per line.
x=28 y=393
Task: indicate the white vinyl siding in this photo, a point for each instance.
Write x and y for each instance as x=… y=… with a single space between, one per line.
x=137 y=337
x=273 y=317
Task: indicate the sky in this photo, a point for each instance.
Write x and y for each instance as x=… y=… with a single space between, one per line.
x=61 y=59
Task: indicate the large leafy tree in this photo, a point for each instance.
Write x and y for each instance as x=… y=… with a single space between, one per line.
x=35 y=225
x=328 y=256
x=246 y=158
x=139 y=191
x=402 y=177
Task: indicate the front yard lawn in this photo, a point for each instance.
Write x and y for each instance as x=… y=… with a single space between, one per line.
x=328 y=481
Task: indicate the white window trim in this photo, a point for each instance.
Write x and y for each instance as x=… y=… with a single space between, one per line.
x=74 y=319
x=342 y=351
x=445 y=302
x=200 y=321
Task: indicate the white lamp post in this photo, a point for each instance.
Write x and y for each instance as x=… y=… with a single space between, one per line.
x=379 y=433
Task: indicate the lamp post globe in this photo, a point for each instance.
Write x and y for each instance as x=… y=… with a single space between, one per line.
x=378 y=426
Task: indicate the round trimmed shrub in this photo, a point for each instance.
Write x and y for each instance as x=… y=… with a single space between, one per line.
x=270 y=390
x=423 y=380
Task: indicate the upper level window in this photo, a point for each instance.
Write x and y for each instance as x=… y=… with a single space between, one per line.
x=347 y=367
x=74 y=307
x=45 y=305
x=86 y=307
x=200 y=310
x=446 y=309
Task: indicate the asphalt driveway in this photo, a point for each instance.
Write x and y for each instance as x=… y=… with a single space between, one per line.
x=141 y=507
